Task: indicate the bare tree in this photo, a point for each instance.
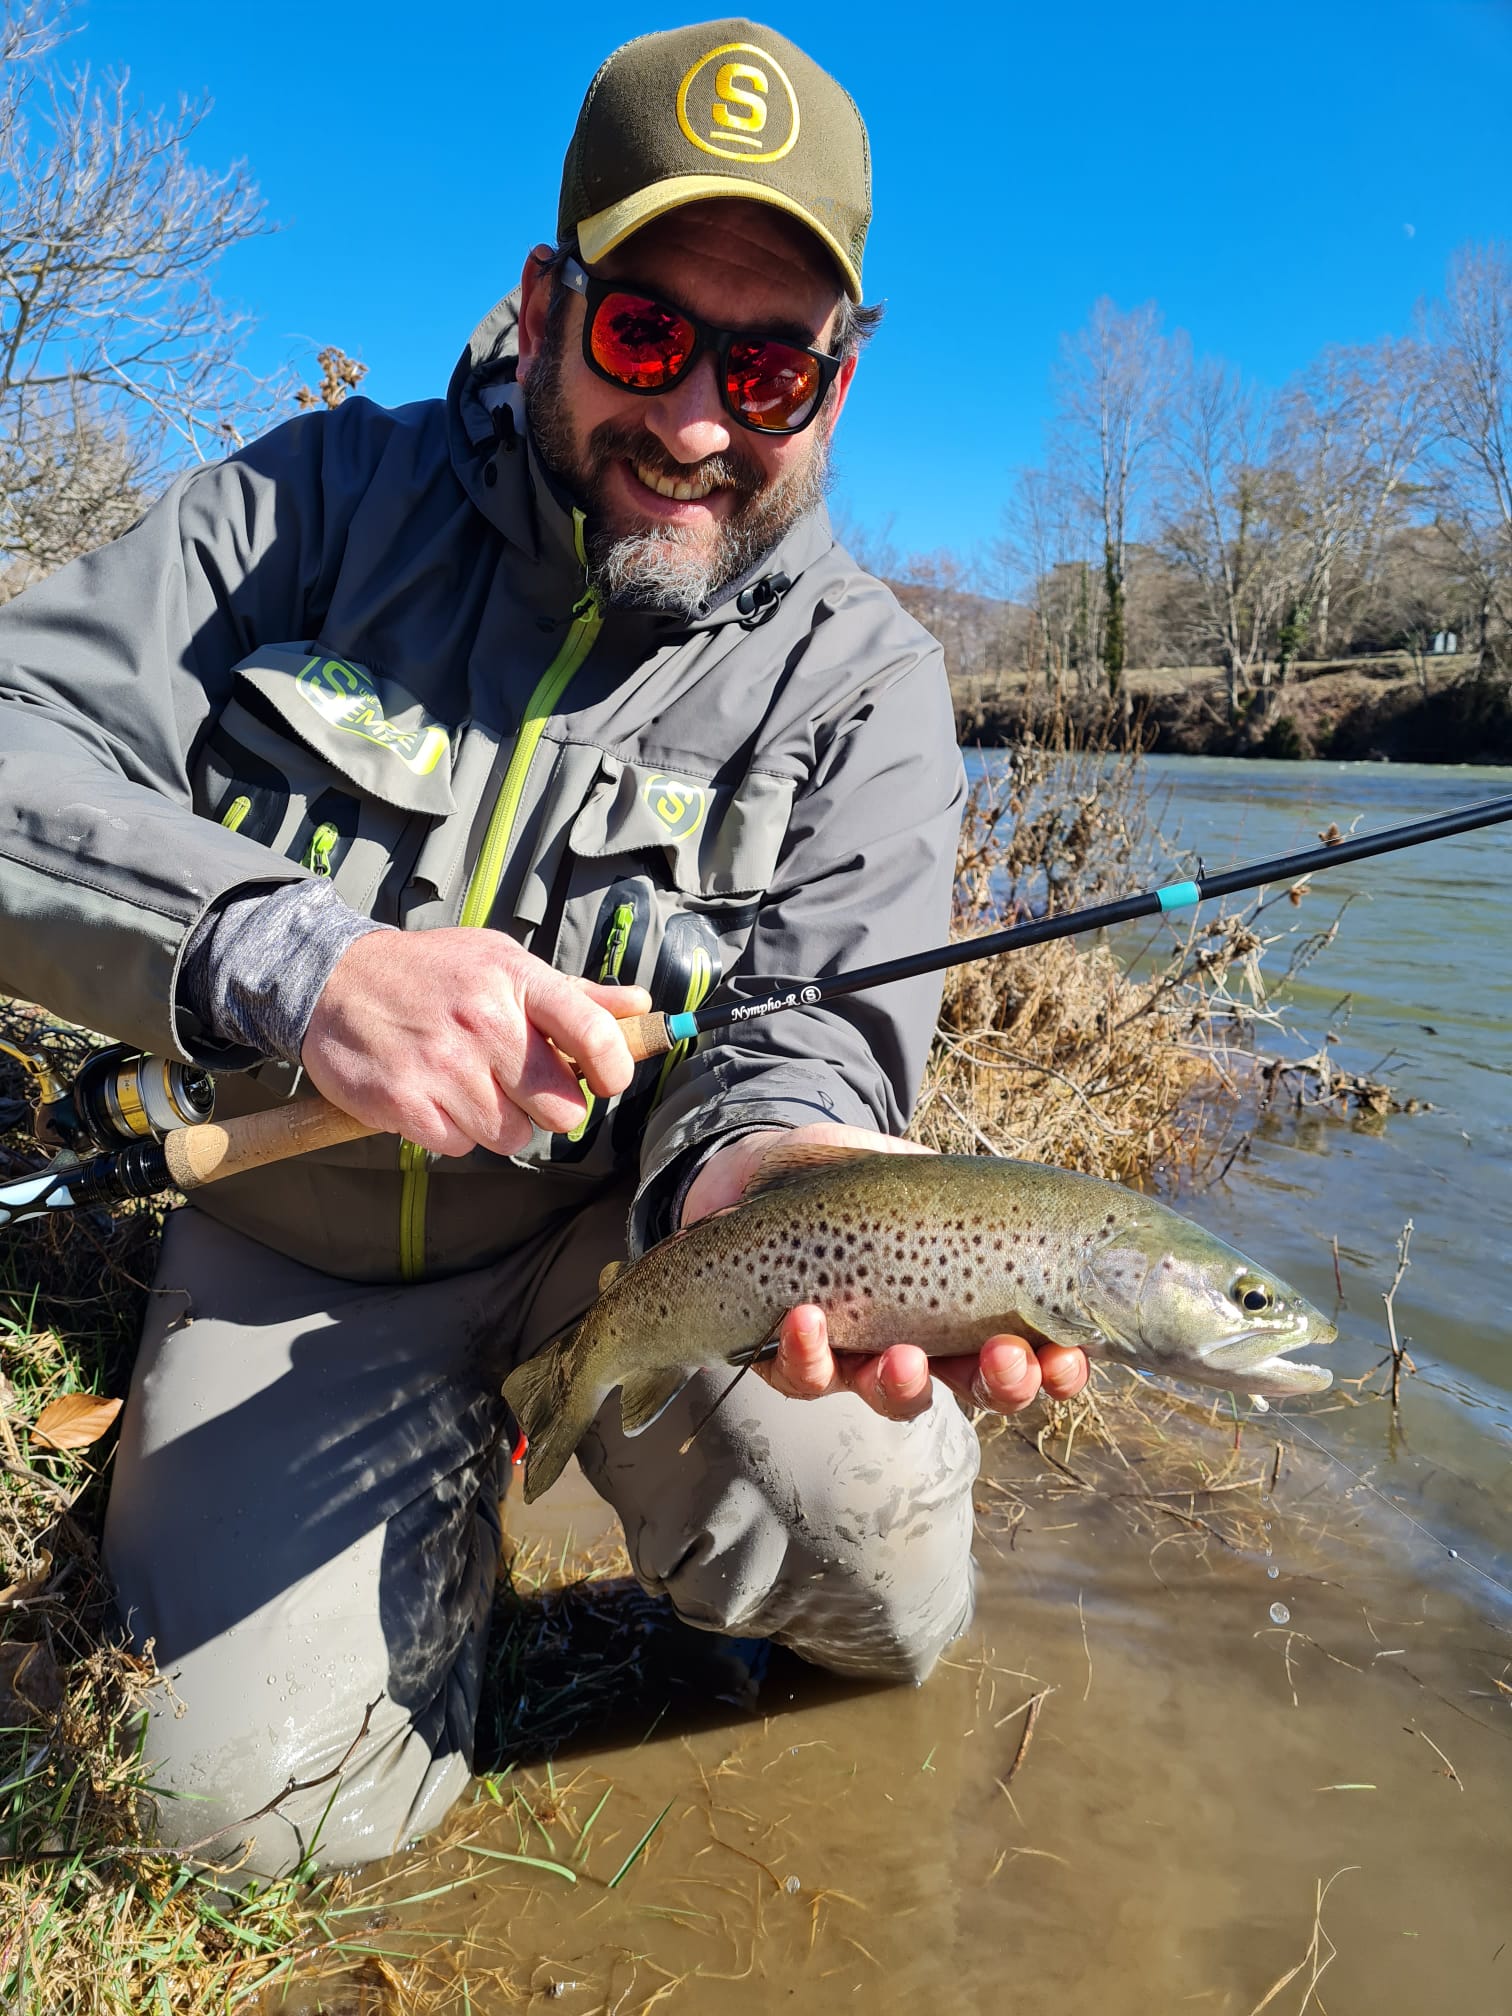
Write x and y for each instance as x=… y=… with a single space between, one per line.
x=1113 y=383
x=1470 y=347
x=1351 y=431
x=1045 y=549
x=1222 y=524
x=116 y=357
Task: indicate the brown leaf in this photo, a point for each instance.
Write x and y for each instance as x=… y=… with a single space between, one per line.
x=29 y=1679
x=75 y=1421
x=29 y=1585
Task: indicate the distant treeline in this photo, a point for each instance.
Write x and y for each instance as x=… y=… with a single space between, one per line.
x=1187 y=517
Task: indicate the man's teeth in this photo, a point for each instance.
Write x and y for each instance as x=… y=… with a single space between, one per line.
x=680 y=493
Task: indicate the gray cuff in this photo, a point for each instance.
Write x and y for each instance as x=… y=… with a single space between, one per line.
x=657 y=1210
x=255 y=965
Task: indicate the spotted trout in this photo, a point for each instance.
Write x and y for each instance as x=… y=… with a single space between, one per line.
x=942 y=1251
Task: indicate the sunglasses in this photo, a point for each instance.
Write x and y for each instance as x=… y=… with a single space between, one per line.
x=640 y=344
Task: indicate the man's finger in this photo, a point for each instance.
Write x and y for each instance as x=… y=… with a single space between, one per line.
x=896 y=1383
x=804 y=1367
x=546 y=1087
x=580 y=1029
x=1064 y=1371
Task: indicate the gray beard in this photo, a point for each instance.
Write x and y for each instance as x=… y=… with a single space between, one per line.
x=670 y=570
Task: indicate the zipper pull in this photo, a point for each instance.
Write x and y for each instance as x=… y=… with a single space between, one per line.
x=318 y=854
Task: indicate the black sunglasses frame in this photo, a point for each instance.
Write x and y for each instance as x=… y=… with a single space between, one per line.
x=706 y=337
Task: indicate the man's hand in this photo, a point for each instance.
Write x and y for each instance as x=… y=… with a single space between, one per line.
x=460 y=1038
x=1006 y=1374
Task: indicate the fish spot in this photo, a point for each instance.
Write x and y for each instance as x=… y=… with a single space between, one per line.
x=934 y=1301
x=906 y=1280
x=1168 y=1265
x=822 y=1277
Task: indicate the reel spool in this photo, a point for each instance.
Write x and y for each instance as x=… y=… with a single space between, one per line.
x=117 y=1096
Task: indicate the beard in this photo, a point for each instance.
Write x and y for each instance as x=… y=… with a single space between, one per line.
x=677 y=570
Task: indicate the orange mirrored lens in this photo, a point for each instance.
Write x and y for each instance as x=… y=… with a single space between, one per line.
x=642 y=343
x=772 y=384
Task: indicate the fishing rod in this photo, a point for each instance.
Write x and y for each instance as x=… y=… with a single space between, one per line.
x=657 y=1032
x=138 y=1126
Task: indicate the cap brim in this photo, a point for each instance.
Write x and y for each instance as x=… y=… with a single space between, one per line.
x=600 y=233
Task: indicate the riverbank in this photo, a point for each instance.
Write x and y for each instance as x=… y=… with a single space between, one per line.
x=1384 y=708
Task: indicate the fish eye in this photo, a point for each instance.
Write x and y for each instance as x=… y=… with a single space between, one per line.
x=1252 y=1295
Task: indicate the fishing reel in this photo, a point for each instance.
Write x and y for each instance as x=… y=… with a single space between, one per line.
x=116 y=1097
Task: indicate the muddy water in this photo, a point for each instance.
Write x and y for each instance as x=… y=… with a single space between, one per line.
x=1276 y=1744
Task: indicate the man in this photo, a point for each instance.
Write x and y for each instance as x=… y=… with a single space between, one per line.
x=573 y=657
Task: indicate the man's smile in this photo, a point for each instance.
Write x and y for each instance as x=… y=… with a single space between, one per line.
x=693 y=498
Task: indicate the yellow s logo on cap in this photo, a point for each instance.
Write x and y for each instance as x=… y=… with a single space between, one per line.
x=728 y=92
x=741 y=111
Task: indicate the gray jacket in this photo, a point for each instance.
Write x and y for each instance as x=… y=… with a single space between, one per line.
x=360 y=648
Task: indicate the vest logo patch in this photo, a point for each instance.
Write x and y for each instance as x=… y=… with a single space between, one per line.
x=345 y=696
x=736 y=102
x=680 y=807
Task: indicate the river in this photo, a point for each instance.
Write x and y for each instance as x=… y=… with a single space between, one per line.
x=1265 y=1771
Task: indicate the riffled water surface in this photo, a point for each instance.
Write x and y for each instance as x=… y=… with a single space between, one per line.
x=1271 y=1764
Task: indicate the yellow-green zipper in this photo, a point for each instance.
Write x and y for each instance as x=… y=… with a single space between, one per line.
x=318 y=854
x=488 y=872
x=235 y=812
x=609 y=969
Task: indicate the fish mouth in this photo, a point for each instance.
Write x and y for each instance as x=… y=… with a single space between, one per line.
x=1275 y=1372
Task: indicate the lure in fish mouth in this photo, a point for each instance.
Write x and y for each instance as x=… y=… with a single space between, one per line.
x=942 y=1251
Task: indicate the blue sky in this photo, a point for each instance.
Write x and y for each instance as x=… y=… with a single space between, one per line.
x=1275 y=177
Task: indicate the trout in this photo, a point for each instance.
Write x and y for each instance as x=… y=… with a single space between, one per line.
x=942 y=1251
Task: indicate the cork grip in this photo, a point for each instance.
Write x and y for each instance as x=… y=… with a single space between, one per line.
x=647 y=1036
x=205 y=1153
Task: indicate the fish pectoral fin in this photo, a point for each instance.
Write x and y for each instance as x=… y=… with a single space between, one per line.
x=788 y=1162
x=608 y=1274
x=645 y=1396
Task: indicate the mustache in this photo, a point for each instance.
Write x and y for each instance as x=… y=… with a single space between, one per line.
x=612 y=441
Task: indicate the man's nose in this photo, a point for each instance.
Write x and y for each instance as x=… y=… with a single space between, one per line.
x=690 y=421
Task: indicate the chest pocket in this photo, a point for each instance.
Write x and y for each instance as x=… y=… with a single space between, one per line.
x=661 y=877
x=322 y=761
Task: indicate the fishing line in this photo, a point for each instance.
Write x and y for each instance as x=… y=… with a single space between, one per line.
x=1400 y=1510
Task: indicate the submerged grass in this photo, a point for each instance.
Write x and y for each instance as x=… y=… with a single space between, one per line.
x=1057 y=1054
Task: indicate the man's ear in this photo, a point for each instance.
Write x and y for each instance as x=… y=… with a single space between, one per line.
x=836 y=400
x=535 y=301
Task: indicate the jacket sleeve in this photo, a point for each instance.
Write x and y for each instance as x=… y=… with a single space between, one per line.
x=110 y=671
x=865 y=875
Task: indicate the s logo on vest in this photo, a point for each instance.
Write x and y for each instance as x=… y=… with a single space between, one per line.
x=345 y=696
x=737 y=103
x=680 y=807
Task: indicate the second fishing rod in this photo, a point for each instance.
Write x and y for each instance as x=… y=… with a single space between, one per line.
x=149 y=1160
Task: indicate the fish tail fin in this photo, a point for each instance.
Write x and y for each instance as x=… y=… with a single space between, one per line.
x=554 y=1408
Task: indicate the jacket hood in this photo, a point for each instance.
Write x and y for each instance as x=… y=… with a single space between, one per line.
x=496 y=461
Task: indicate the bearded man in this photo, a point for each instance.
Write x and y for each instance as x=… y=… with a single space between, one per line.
x=408 y=752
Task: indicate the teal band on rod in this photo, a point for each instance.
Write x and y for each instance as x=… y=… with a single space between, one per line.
x=1179 y=895
x=682 y=1028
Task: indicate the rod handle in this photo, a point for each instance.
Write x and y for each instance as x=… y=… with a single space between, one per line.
x=205 y=1153
x=647 y=1036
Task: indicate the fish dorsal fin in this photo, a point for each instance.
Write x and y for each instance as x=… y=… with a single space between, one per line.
x=788 y=1162
x=608 y=1273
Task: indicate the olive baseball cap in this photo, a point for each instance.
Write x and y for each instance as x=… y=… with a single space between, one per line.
x=724 y=108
